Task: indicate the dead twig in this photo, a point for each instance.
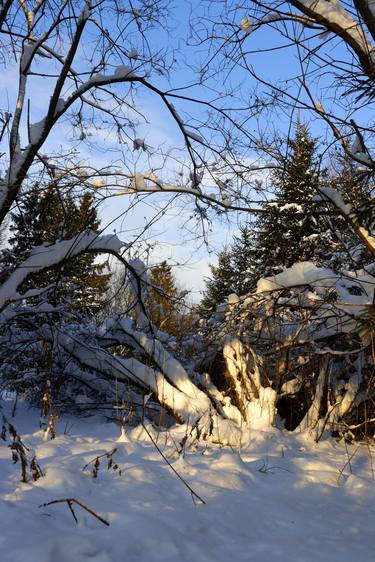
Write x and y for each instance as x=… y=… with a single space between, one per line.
x=70 y=502
x=194 y=494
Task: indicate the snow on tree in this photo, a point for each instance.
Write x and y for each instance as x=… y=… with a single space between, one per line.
x=45 y=215
x=289 y=232
x=270 y=342
x=300 y=345
x=87 y=89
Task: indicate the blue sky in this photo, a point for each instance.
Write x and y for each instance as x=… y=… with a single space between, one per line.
x=169 y=240
x=173 y=237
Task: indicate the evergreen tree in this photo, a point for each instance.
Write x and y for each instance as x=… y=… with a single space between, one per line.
x=292 y=230
x=289 y=233
x=44 y=217
x=219 y=285
x=164 y=302
x=242 y=262
x=355 y=190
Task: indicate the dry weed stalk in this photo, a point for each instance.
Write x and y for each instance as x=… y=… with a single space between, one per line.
x=96 y=463
x=29 y=466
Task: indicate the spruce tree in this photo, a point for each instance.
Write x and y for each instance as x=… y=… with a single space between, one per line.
x=293 y=230
x=43 y=216
x=219 y=285
x=355 y=190
x=288 y=233
x=242 y=262
x=163 y=299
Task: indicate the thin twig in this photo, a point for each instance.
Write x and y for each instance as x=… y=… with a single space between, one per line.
x=194 y=494
x=348 y=461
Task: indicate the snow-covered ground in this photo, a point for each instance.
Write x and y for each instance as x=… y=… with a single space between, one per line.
x=281 y=498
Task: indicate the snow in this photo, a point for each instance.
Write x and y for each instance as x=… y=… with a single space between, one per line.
x=358 y=148
x=138 y=182
x=28 y=51
x=334 y=12
x=98 y=77
x=139 y=144
x=233 y=299
x=291 y=207
x=173 y=110
x=279 y=498
x=42 y=257
x=194 y=136
x=364 y=158
x=261 y=412
x=246 y=25
x=123 y=71
x=36 y=131
x=301 y=273
x=313 y=287
x=86 y=12
x=98 y=182
x=59 y=105
x=133 y=54
x=336 y=198
x=357 y=145
x=168 y=365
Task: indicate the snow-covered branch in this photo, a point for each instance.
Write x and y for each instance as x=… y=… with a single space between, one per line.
x=43 y=257
x=337 y=19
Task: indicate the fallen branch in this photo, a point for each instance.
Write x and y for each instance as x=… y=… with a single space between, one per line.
x=70 y=502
